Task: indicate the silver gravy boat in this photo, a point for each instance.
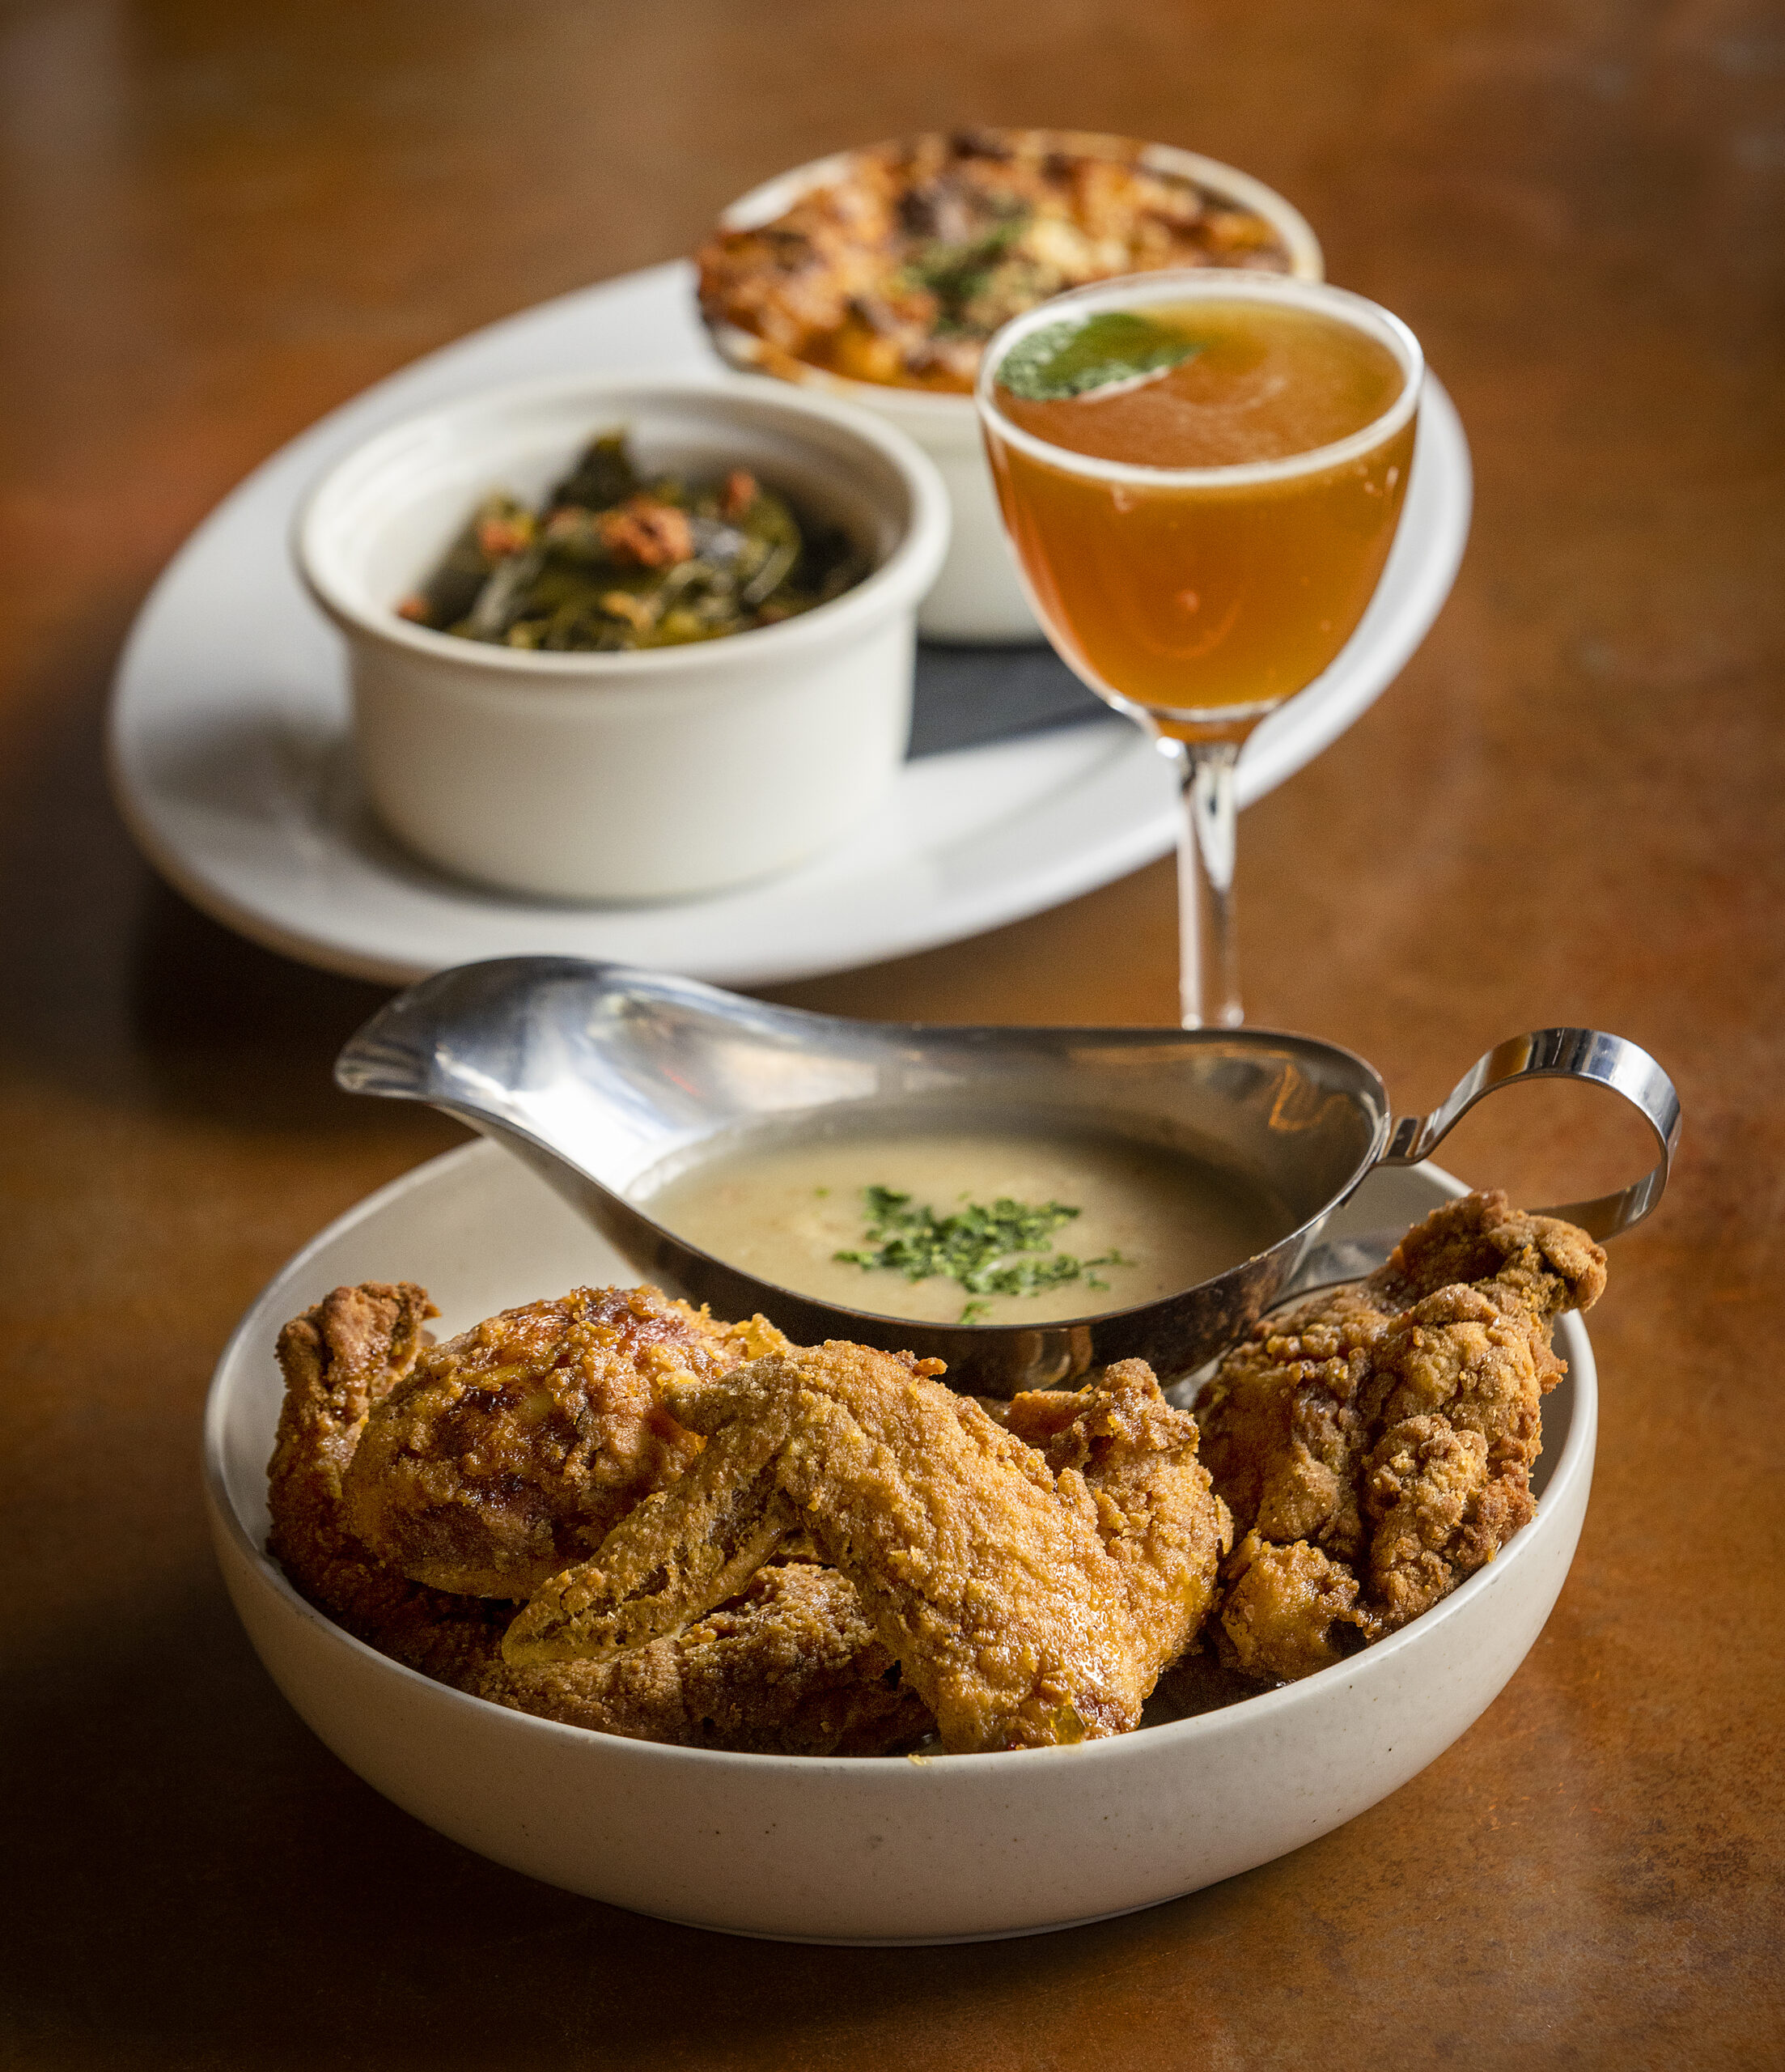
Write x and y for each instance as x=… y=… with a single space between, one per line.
x=607 y=1079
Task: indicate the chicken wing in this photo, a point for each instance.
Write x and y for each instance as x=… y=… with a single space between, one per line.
x=1375 y=1445
x=1023 y=1609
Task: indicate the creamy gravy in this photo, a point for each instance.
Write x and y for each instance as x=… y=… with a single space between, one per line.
x=782 y=1211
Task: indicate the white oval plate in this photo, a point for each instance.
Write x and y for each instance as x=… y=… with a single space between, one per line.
x=232 y=764
x=847 y=1850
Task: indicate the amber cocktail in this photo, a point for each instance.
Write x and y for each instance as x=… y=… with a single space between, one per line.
x=1202 y=477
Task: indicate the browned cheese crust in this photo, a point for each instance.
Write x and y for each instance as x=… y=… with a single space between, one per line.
x=1025 y=1609
x=898 y=270
x=510 y=1451
x=1375 y=1445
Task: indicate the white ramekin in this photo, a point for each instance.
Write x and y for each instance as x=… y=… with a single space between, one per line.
x=978 y=596
x=648 y=775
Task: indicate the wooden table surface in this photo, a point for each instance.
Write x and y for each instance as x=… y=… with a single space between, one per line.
x=221 y=221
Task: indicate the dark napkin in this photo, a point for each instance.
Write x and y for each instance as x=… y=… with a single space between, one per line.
x=967 y=695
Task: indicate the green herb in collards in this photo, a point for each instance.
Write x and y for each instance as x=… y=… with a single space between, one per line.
x=1073 y=359
x=1003 y=1248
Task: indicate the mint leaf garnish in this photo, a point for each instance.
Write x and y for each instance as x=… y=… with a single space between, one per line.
x=1069 y=358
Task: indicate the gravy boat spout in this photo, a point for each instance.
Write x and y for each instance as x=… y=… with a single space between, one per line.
x=610 y=1080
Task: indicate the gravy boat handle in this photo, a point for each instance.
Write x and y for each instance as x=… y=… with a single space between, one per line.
x=1588 y=1054
x=1580 y=1054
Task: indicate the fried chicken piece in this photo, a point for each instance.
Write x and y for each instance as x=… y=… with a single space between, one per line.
x=790 y=1667
x=510 y=1451
x=676 y=1555
x=1279 y=1610
x=340 y=1361
x=992 y=1578
x=1552 y=1265
x=1157 y=1515
x=1375 y=1445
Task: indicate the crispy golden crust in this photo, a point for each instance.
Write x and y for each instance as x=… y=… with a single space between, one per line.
x=790 y=1667
x=1157 y=1515
x=1389 y=1428
x=1281 y=1609
x=679 y=1553
x=510 y=1451
x=1025 y=1607
x=990 y=1587
x=1550 y=1265
x=340 y=1360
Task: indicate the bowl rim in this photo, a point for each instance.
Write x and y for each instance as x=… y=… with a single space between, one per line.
x=773 y=196
x=1573 y=1465
x=899 y=580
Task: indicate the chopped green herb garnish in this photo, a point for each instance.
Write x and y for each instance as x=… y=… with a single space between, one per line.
x=1062 y=360
x=988 y=1250
x=974 y=1311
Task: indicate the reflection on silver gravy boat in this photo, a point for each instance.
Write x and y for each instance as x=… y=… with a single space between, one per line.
x=605 y=1078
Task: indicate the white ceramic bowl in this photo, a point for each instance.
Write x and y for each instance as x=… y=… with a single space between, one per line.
x=956 y=1848
x=650 y=776
x=978 y=596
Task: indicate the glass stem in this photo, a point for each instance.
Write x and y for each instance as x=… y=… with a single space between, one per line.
x=1208 y=950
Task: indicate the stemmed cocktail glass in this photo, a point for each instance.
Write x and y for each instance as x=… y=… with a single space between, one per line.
x=1201 y=474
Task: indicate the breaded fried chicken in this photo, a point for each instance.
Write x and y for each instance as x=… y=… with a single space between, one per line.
x=1155 y=1515
x=509 y=1452
x=992 y=1578
x=340 y=1361
x=789 y=1667
x=1375 y=1445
